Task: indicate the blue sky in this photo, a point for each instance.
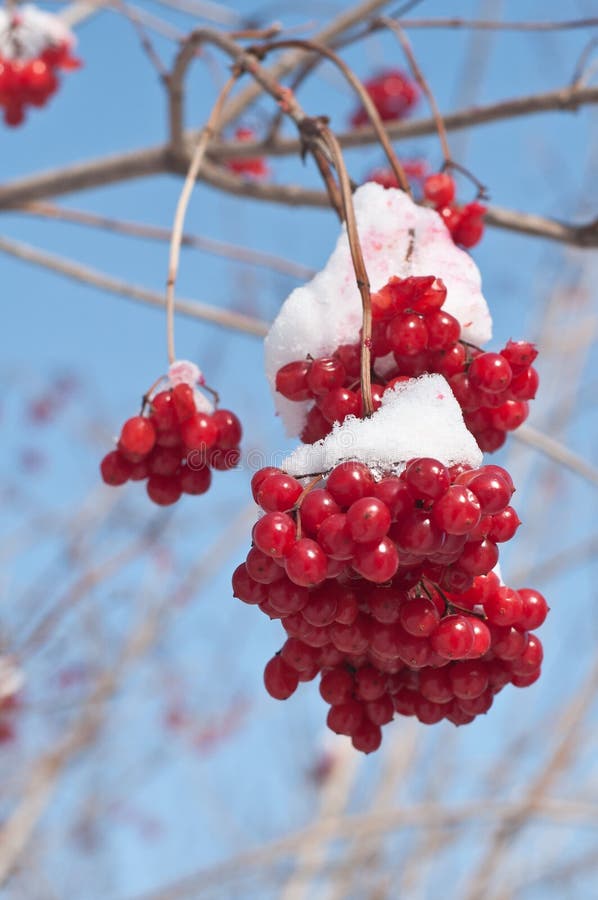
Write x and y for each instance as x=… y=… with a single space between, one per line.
x=254 y=787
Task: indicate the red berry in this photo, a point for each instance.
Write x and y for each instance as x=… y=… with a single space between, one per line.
x=199 y=432
x=164 y=489
x=336 y=686
x=274 y=534
x=278 y=492
x=453 y=637
x=368 y=520
x=306 y=564
x=349 y=482
x=280 y=679
x=115 y=469
x=534 y=609
x=419 y=617
x=229 y=429
x=376 y=562
x=367 y=737
x=315 y=509
x=138 y=436
x=439 y=189
x=291 y=380
x=195 y=480
x=325 y=375
x=458 y=511
x=490 y=372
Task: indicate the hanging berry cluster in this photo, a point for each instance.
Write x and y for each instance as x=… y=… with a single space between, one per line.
x=466 y=222
x=410 y=328
x=386 y=591
x=176 y=441
x=34 y=46
x=394 y=94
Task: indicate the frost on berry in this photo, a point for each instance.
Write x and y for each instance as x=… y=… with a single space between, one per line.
x=385 y=580
x=176 y=441
x=325 y=314
x=34 y=46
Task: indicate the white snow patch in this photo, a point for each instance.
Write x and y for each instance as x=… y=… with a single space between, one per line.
x=419 y=417
x=326 y=312
x=32 y=32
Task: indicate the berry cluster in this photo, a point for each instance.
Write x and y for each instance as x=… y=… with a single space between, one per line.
x=173 y=444
x=33 y=47
x=385 y=589
x=465 y=223
x=393 y=93
x=255 y=167
x=410 y=328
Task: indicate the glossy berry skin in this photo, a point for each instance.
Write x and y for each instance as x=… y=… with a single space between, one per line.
x=376 y=562
x=439 y=189
x=427 y=478
x=453 y=638
x=199 y=432
x=274 y=534
x=368 y=520
x=115 y=469
x=349 y=482
x=291 y=380
x=490 y=372
x=306 y=563
x=164 y=489
x=278 y=492
x=138 y=436
x=457 y=511
x=534 y=609
x=280 y=679
x=229 y=429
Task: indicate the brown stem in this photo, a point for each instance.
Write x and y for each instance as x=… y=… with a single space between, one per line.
x=361 y=275
x=207 y=133
x=397 y=29
x=363 y=95
x=297 y=507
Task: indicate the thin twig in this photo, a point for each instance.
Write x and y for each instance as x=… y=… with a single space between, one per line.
x=222 y=317
x=358 y=87
x=208 y=132
x=397 y=29
x=557 y=452
x=235 y=252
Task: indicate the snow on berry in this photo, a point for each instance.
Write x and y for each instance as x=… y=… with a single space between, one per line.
x=34 y=45
x=399 y=239
x=176 y=441
x=385 y=583
x=417 y=417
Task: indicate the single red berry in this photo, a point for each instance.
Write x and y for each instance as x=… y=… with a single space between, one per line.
x=368 y=520
x=346 y=718
x=280 y=680
x=439 y=189
x=453 y=637
x=457 y=511
x=229 y=429
x=306 y=564
x=419 y=617
x=278 y=492
x=376 y=562
x=428 y=479
x=115 y=469
x=334 y=537
x=338 y=404
x=315 y=509
x=164 y=489
x=183 y=399
x=490 y=372
x=138 y=436
x=199 y=432
x=274 y=534
x=336 y=686
x=534 y=609
x=291 y=380
x=245 y=588
x=350 y=481
x=367 y=737
x=195 y=480
x=325 y=374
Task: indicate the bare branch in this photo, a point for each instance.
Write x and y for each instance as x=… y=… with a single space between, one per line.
x=492 y=25
x=93 y=278
x=557 y=451
x=235 y=252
